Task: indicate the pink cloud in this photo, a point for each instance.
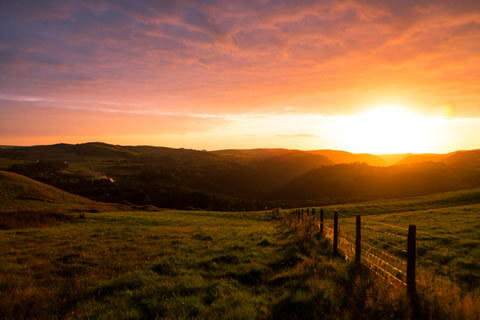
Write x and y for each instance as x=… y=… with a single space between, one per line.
x=225 y=57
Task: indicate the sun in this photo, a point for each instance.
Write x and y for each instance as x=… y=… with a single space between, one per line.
x=391 y=128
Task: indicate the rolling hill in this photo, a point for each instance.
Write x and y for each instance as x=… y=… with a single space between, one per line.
x=419 y=158
x=325 y=157
x=18 y=192
x=463 y=158
x=235 y=179
x=459 y=159
x=360 y=182
x=344 y=157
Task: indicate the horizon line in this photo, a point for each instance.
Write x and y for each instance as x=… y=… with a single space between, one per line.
x=240 y=149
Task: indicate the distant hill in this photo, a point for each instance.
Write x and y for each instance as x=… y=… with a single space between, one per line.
x=326 y=157
x=419 y=158
x=277 y=166
x=248 y=155
x=463 y=158
x=470 y=158
x=64 y=152
x=360 y=182
x=344 y=157
x=392 y=159
x=236 y=179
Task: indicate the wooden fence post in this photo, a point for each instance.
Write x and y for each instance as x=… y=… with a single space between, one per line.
x=411 y=257
x=335 y=233
x=312 y=219
x=358 y=241
x=321 y=220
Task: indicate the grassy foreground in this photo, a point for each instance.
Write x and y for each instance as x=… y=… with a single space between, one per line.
x=182 y=265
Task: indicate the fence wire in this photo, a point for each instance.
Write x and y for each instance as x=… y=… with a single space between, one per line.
x=383 y=245
x=383 y=250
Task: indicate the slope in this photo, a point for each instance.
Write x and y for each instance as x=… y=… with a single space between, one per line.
x=18 y=192
x=419 y=158
x=360 y=182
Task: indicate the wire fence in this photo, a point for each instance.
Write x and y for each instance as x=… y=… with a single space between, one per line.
x=384 y=252
x=384 y=247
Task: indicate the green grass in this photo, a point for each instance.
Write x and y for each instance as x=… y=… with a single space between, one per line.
x=180 y=265
x=448 y=241
x=227 y=265
x=434 y=201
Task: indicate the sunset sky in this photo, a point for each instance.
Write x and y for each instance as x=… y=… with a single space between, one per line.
x=363 y=76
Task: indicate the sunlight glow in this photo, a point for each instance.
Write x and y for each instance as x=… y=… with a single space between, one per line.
x=392 y=129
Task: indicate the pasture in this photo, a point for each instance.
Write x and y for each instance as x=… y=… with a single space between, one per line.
x=174 y=264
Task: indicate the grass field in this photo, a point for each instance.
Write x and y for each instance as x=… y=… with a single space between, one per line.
x=173 y=264
x=221 y=265
x=448 y=241
x=434 y=201
x=189 y=265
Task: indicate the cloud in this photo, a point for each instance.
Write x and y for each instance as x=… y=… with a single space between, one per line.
x=39 y=120
x=228 y=58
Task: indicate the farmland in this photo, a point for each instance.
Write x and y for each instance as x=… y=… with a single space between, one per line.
x=108 y=261
x=172 y=264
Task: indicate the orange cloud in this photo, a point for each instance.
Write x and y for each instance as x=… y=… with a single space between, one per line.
x=161 y=65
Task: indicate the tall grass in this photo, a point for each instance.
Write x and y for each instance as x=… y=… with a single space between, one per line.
x=193 y=265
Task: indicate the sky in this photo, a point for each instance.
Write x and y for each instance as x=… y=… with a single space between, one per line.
x=378 y=76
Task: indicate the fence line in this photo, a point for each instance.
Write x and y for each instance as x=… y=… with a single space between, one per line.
x=346 y=236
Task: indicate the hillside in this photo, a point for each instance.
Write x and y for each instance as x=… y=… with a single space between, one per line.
x=234 y=179
x=276 y=165
x=344 y=157
x=67 y=152
x=359 y=182
x=419 y=158
x=459 y=158
x=463 y=158
x=18 y=192
x=325 y=157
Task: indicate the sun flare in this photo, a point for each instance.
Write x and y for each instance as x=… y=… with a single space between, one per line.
x=391 y=129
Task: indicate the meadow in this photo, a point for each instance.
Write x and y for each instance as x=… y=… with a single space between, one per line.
x=191 y=265
x=67 y=257
x=175 y=264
